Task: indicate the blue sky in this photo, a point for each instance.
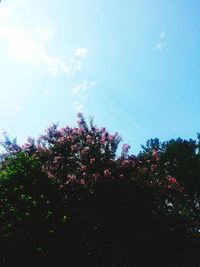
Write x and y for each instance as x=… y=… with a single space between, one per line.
x=133 y=65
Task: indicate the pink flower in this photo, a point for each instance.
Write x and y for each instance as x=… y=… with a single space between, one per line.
x=26 y=146
x=57 y=158
x=111 y=138
x=69 y=138
x=62 y=139
x=95 y=176
x=172 y=180
x=153 y=167
x=85 y=150
x=155 y=154
x=103 y=140
x=83 y=168
x=64 y=129
x=92 y=161
x=71 y=177
x=50 y=175
x=75 y=130
x=126 y=163
x=82 y=181
x=125 y=148
x=74 y=148
x=80 y=131
x=107 y=173
x=89 y=139
x=103 y=129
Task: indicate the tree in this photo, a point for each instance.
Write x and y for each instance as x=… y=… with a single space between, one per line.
x=89 y=204
x=177 y=158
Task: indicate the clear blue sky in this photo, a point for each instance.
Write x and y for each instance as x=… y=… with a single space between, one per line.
x=134 y=65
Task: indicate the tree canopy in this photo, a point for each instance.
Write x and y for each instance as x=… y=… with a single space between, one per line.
x=68 y=197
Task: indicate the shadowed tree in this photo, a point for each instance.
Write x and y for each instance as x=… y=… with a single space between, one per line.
x=68 y=197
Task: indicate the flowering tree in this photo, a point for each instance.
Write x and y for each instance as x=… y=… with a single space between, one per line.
x=85 y=200
x=81 y=155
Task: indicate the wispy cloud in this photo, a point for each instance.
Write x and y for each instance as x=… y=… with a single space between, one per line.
x=81 y=52
x=83 y=87
x=4 y=13
x=29 y=47
x=78 y=106
x=81 y=94
x=162 y=43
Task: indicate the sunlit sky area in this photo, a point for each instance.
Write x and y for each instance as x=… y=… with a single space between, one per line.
x=134 y=65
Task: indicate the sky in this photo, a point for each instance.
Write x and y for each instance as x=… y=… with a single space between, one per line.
x=133 y=65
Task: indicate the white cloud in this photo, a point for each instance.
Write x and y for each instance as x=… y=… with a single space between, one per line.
x=29 y=49
x=81 y=94
x=43 y=34
x=81 y=52
x=4 y=13
x=161 y=44
x=29 y=46
x=21 y=44
x=9 y=9
x=79 y=108
x=162 y=35
x=83 y=87
x=21 y=2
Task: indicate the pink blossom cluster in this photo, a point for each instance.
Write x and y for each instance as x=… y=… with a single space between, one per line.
x=84 y=155
x=81 y=155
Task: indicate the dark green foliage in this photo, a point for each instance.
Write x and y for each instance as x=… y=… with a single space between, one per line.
x=178 y=158
x=30 y=207
x=182 y=162
x=68 y=198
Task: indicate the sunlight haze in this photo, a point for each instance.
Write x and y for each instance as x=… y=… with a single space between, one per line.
x=133 y=65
